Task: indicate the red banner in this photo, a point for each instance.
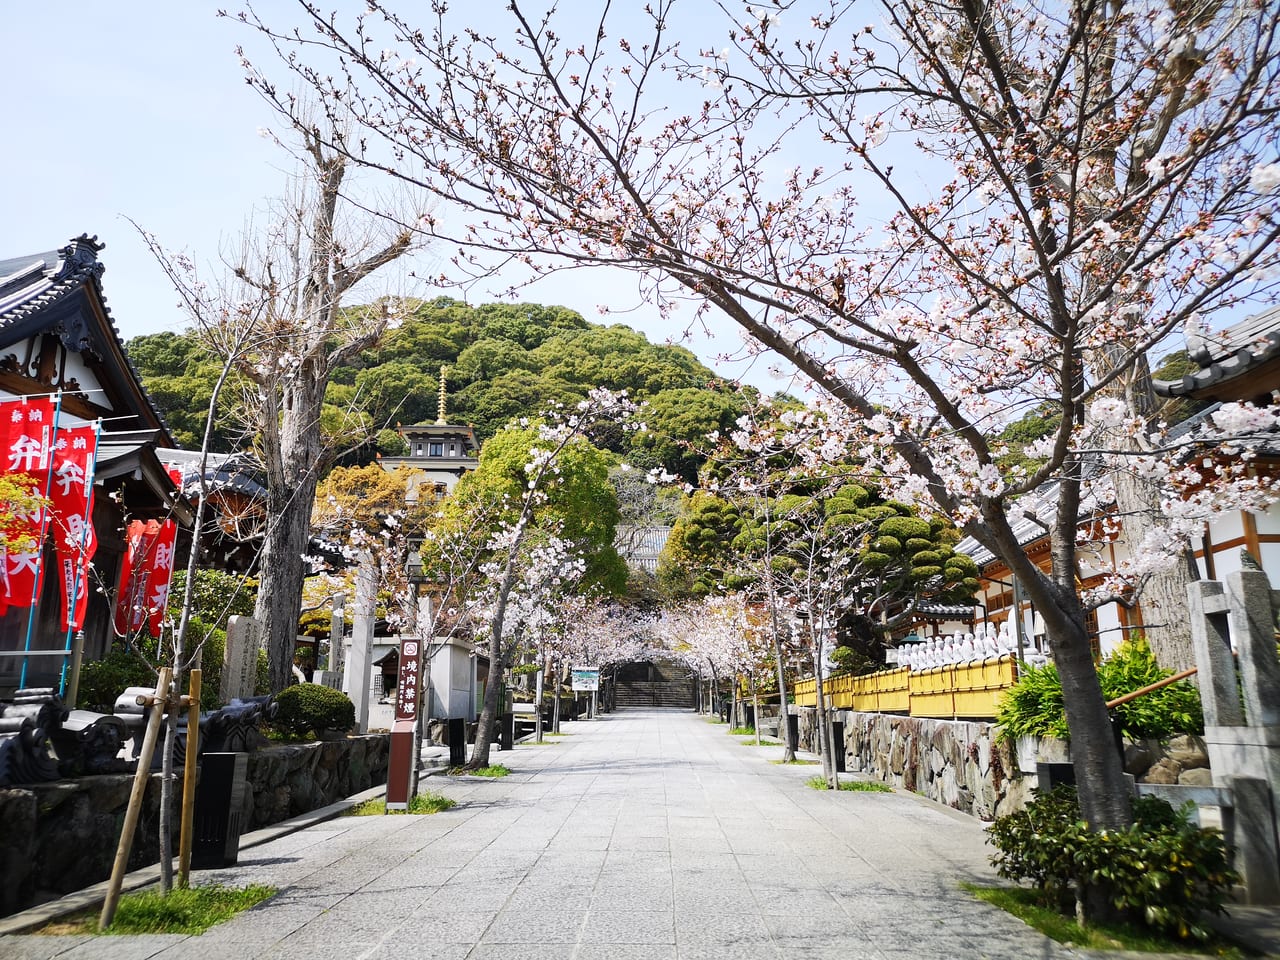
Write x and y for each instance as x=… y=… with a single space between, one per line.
x=135 y=573
x=26 y=441
x=74 y=458
x=160 y=572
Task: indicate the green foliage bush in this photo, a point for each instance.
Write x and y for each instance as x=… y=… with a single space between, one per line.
x=101 y=681
x=849 y=660
x=1034 y=705
x=311 y=708
x=1162 y=872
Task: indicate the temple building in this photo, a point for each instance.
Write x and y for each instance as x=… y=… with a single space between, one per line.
x=438 y=453
x=57 y=337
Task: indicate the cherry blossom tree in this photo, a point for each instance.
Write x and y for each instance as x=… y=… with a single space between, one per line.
x=944 y=215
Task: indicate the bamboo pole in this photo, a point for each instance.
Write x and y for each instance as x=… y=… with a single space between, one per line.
x=1151 y=688
x=143 y=774
x=189 y=780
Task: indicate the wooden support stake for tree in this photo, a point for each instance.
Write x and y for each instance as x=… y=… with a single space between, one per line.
x=189 y=780
x=157 y=702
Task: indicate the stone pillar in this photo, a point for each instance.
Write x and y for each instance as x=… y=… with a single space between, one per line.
x=1256 y=852
x=1253 y=629
x=336 y=635
x=356 y=679
x=1211 y=641
x=240 y=659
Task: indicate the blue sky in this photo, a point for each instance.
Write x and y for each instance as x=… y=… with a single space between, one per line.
x=138 y=110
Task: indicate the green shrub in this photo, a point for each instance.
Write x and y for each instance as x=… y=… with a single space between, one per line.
x=101 y=681
x=311 y=708
x=1162 y=872
x=1034 y=705
x=849 y=660
x=1169 y=710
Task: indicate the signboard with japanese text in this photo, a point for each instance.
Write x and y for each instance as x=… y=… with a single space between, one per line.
x=408 y=693
x=409 y=678
x=586 y=679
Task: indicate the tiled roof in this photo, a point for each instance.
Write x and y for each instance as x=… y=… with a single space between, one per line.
x=32 y=284
x=239 y=472
x=35 y=282
x=1227 y=354
x=1030 y=517
x=946 y=611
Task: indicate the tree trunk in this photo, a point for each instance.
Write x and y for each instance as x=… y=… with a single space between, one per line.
x=281 y=572
x=1163 y=600
x=784 y=725
x=489 y=711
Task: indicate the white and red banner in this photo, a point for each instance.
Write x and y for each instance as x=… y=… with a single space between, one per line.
x=71 y=495
x=26 y=444
x=161 y=571
x=144 y=576
x=135 y=574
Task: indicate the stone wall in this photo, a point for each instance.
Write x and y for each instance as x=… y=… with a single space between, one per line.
x=56 y=838
x=963 y=765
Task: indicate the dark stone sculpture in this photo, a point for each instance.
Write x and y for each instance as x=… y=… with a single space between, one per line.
x=26 y=724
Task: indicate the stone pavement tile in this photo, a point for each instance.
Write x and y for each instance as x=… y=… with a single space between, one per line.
x=423 y=926
x=545 y=896
x=816 y=905
x=731 y=897
x=336 y=927
x=643 y=843
x=648 y=899
x=532 y=926
x=627 y=951
x=729 y=931
x=31 y=947
x=802 y=926
x=264 y=923
x=578 y=841
x=628 y=926
x=765 y=950
x=465 y=898
x=122 y=948
x=519 y=951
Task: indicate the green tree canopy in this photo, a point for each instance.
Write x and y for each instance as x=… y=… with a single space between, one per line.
x=580 y=505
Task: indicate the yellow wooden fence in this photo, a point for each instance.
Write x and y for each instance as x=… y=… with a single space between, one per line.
x=956 y=691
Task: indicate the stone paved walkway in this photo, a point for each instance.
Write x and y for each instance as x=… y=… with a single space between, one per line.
x=641 y=836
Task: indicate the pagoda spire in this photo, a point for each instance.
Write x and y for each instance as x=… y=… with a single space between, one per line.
x=440 y=420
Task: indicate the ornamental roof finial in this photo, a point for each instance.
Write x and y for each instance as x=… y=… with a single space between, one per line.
x=440 y=420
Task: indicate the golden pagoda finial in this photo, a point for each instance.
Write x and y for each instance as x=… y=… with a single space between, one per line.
x=440 y=420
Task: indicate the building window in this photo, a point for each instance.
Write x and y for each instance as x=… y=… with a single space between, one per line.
x=453 y=449
x=419 y=453
x=436 y=450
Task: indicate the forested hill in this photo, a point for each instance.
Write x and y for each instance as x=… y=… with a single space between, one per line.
x=505 y=360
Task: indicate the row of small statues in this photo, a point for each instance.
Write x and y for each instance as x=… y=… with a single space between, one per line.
x=987 y=642
x=42 y=740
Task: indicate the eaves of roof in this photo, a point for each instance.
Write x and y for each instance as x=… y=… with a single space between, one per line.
x=31 y=286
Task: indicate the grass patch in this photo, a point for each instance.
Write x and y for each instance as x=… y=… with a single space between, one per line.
x=856 y=786
x=713 y=720
x=1022 y=903
x=493 y=771
x=742 y=732
x=794 y=763
x=426 y=802
x=190 y=911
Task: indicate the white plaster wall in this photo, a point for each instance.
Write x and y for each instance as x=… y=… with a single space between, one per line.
x=1110 y=635
x=1268 y=521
